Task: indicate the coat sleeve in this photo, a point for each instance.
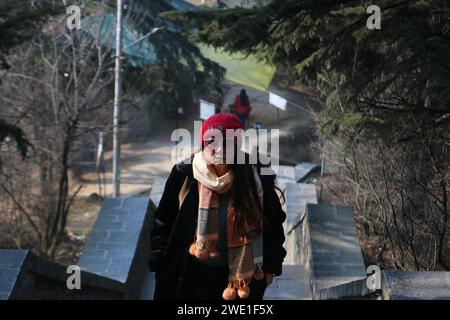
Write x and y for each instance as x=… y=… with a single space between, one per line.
x=164 y=218
x=274 y=252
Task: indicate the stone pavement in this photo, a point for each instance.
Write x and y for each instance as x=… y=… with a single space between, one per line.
x=148 y=288
x=304 y=169
x=285 y=174
x=297 y=173
x=157 y=190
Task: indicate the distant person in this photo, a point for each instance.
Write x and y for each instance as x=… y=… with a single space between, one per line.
x=242 y=107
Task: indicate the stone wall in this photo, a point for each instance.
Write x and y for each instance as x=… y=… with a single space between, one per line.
x=113 y=262
x=306 y=253
x=331 y=253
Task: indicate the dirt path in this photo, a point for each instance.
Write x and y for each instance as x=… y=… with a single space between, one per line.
x=140 y=164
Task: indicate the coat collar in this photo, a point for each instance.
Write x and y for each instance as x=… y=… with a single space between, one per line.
x=185 y=168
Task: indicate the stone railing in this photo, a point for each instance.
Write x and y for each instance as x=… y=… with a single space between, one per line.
x=113 y=262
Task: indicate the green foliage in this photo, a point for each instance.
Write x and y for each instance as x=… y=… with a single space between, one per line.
x=400 y=70
x=18 y=22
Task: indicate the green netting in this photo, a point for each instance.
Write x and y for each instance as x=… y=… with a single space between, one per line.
x=248 y=72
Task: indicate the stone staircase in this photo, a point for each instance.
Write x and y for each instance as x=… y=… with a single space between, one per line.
x=323 y=261
x=293 y=284
x=300 y=280
x=323 y=258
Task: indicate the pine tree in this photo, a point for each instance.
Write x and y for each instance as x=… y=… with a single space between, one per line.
x=329 y=40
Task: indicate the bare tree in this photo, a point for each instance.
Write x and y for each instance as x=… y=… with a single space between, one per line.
x=399 y=186
x=57 y=90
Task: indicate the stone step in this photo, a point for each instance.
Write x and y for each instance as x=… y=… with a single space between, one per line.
x=293 y=284
x=304 y=169
x=297 y=173
x=285 y=174
x=415 y=285
x=331 y=254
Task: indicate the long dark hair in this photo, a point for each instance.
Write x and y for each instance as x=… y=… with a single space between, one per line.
x=244 y=195
x=244 y=98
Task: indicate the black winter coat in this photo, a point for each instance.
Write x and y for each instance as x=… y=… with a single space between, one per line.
x=173 y=230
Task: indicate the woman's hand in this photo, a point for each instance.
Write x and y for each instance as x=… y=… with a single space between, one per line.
x=269 y=278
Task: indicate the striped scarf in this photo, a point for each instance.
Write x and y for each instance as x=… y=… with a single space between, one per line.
x=245 y=252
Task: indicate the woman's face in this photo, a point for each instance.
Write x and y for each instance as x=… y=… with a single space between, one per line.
x=211 y=156
x=216 y=148
x=216 y=153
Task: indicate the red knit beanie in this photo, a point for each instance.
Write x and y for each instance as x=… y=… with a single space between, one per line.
x=225 y=120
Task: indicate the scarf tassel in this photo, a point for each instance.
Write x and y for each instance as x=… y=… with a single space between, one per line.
x=237 y=288
x=204 y=249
